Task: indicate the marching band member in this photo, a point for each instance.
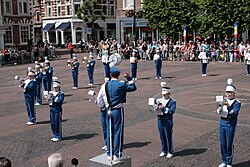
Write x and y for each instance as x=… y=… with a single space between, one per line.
x=47 y=71
x=90 y=69
x=133 y=66
x=29 y=89
x=38 y=78
x=56 y=102
x=247 y=60
x=105 y=62
x=158 y=64
x=166 y=108
x=228 y=111
x=75 y=67
x=204 y=61
x=112 y=95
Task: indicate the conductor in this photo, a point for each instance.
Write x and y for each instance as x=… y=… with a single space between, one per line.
x=112 y=95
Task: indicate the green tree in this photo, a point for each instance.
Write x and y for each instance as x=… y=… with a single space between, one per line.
x=219 y=16
x=89 y=12
x=170 y=16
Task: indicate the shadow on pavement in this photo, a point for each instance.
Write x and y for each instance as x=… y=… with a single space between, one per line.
x=48 y=122
x=67 y=95
x=243 y=164
x=136 y=144
x=79 y=136
x=213 y=74
x=187 y=152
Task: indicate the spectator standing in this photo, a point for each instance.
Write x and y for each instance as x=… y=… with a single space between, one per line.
x=71 y=49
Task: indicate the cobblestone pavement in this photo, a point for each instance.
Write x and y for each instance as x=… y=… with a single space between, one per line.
x=196 y=129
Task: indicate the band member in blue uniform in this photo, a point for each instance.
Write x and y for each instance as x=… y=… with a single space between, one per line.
x=106 y=67
x=55 y=104
x=228 y=110
x=38 y=78
x=29 y=89
x=133 y=66
x=75 y=67
x=204 y=62
x=47 y=75
x=158 y=64
x=166 y=108
x=112 y=95
x=90 y=69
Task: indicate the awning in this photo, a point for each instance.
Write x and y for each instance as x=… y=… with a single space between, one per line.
x=49 y=27
x=63 y=26
x=96 y=26
x=111 y=26
x=138 y=24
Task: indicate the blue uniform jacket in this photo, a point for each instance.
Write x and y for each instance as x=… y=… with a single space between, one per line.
x=49 y=73
x=117 y=92
x=57 y=101
x=231 y=119
x=75 y=67
x=38 y=77
x=171 y=106
x=118 y=89
x=91 y=65
x=30 y=89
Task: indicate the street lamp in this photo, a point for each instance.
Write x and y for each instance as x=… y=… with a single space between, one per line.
x=134 y=26
x=130 y=14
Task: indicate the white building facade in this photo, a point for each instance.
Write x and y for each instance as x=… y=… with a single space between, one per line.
x=61 y=24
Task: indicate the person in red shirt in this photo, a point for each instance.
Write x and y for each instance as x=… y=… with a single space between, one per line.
x=71 y=49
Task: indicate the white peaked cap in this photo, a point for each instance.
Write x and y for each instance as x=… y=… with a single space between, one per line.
x=55 y=79
x=165 y=90
x=29 y=68
x=56 y=84
x=163 y=84
x=230 y=87
x=37 y=66
x=31 y=73
x=36 y=62
x=74 y=57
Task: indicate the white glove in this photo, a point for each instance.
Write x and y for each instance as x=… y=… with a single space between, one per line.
x=109 y=112
x=219 y=110
x=166 y=111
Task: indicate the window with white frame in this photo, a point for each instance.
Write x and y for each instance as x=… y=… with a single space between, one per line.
x=48 y=11
x=77 y=6
x=58 y=10
x=8 y=35
x=24 y=34
x=23 y=7
x=6 y=6
x=128 y=4
x=37 y=16
x=68 y=9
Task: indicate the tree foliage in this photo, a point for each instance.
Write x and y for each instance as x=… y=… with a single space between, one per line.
x=207 y=16
x=219 y=16
x=170 y=16
x=89 y=12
